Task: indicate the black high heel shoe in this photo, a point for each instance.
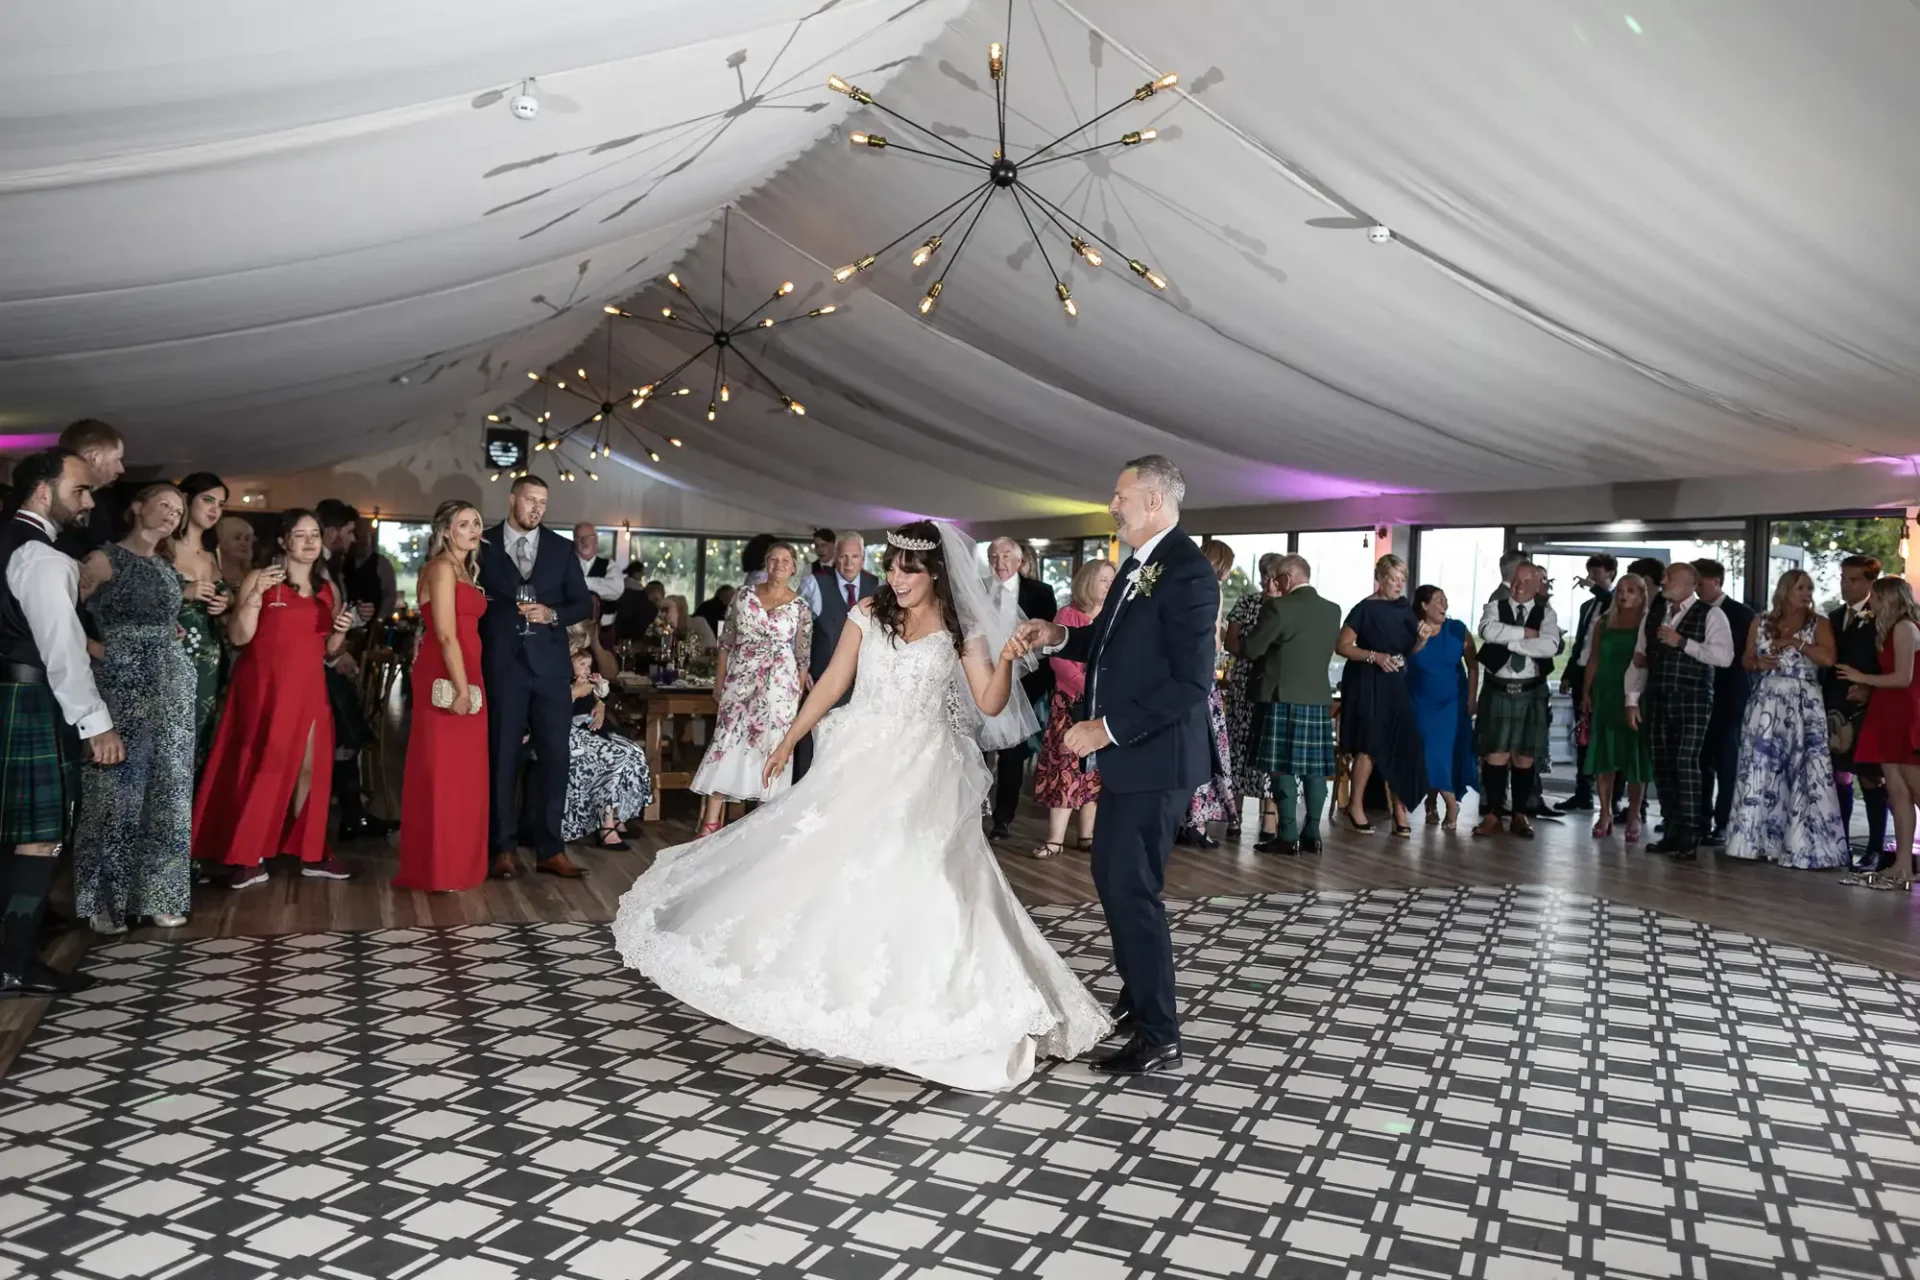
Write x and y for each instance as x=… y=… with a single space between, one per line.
x=1364 y=828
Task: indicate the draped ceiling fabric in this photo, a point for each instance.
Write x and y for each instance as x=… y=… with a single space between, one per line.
x=1634 y=243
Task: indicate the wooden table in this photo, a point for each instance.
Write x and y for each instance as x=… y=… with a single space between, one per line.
x=650 y=710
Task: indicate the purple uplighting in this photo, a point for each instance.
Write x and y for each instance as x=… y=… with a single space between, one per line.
x=1290 y=484
x=28 y=443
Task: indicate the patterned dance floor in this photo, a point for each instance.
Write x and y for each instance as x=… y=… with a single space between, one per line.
x=1490 y=1082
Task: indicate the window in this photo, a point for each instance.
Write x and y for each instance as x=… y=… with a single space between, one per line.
x=723 y=564
x=1342 y=565
x=1819 y=543
x=671 y=560
x=1464 y=563
x=1099 y=549
x=1244 y=578
x=406 y=544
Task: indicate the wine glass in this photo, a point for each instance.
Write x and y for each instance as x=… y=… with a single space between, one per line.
x=524 y=594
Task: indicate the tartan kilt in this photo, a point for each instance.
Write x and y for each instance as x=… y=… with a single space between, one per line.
x=1293 y=738
x=39 y=766
x=1515 y=723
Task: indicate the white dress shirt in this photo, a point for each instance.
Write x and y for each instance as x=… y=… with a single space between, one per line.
x=1005 y=594
x=1716 y=650
x=810 y=588
x=47 y=585
x=1538 y=650
x=611 y=585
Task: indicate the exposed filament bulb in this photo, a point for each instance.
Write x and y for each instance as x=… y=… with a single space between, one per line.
x=933 y=296
x=924 y=254
x=996 y=59
x=1066 y=298
x=1087 y=252
x=726 y=393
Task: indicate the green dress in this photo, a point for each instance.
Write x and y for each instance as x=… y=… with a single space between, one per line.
x=1612 y=747
x=206 y=646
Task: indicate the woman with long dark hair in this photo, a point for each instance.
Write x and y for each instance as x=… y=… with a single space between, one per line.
x=204 y=600
x=443 y=832
x=269 y=778
x=861 y=914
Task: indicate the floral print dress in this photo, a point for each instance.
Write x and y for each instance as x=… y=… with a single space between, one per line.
x=205 y=641
x=1785 y=809
x=1248 y=780
x=766 y=653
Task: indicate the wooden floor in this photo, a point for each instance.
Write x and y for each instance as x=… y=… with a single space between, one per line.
x=1800 y=908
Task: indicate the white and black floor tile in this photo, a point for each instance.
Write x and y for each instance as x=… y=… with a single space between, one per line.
x=1496 y=1083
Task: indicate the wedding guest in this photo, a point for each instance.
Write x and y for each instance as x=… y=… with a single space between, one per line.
x=534 y=593
x=443 y=833
x=131 y=839
x=1059 y=782
x=1443 y=679
x=1616 y=750
x=1376 y=715
x=753 y=558
x=604 y=574
x=49 y=705
x=676 y=617
x=1732 y=684
x=1013 y=594
x=1216 y=800
x=1785 y=808
x=714 y=609
x=1291 y=647
x=1653 y=572
x=205 y=598
x=831 y=595
x=608 y=781
x=1856 y=645
x=1249 y=782
x=104 y=450
x=234 y=546
x=759 y=679
x=1519 y=638
x=1673 y=669
x=639 y=606
x=1510 y=562
x=359 y=594
x=367 y=579
x=1602 y=570
x=1890 y=737
x=267 y=781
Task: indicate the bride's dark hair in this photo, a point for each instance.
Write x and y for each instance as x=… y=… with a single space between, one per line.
x=887 y=609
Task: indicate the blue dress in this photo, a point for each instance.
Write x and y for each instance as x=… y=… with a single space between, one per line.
x=1438 y=683
x=1785 y=809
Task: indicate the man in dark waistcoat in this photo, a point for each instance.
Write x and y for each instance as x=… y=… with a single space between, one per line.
x=1857 y=643
x=48 y=706
x=351 y=733
x=831 y=591
x=1731 y=687
x=1674 y=658
x=1519 y=636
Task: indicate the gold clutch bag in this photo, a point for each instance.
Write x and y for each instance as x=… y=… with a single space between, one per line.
x=443 y=694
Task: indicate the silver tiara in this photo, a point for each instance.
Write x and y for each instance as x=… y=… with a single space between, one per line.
x=905 y=543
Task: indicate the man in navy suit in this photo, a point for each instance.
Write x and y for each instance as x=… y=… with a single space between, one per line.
x=1149 y=658
x=528 y=671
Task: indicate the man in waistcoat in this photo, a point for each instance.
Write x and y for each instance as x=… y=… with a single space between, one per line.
x=48 y=706
x=1602 y=569
x=1519 y=637
x=606 y=580
x=1857 y=645
x=351 y=733
x=1720 y=758
x=831 y=595
x=1670 y=700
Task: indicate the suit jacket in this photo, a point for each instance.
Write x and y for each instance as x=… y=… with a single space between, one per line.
x=832 y=621
x=1036 y=601
x=557 y=583
x=1149 y=671
x=1594 y=606
x=1291 y=647
x=1856 y=645
x=1733 y=682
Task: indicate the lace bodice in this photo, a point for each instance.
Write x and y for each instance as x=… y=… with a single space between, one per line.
x=1794 y=663
x=909 y=682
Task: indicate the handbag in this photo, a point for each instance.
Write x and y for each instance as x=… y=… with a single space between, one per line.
x=1583 y=729
x=443 y=694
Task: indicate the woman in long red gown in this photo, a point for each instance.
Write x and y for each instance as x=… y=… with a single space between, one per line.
x=1890 y=735
x=443 y=812
x=262 y=793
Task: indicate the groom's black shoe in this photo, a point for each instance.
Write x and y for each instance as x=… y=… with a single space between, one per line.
x=1138 y=1058
x=1274 y=844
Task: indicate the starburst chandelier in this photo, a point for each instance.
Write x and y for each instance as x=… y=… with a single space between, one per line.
x=1001 y=172
x=722 y=338
x=608 y=411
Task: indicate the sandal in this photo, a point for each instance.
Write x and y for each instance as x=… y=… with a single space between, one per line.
x=1603 y=828
x=1889 y=882
x=1402 y=831
x=708 y=828
x=610 y=839
x=1364 y=828
x=1048 y=849
x=1433 y=816
x=1083 y=845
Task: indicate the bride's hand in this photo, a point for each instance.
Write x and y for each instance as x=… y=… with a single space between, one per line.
x=776 y=763
x=1013 y=650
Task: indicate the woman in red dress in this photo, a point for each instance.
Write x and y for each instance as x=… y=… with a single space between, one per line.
x=261 y=793
x=443 y=818
x=1890 y=736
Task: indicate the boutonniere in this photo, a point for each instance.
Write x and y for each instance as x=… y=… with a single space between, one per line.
x=1145 y=579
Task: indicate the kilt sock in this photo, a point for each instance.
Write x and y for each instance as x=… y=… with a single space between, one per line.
x=1305 y=823
x=1525 y=782
x=29 y=881
x=1317 y=789
x=1493 y=788
x=1286 y=798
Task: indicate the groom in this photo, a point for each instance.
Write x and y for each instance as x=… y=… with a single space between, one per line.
x=1149 y=658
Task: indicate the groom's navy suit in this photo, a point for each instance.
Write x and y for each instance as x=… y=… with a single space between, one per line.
x=1149 y=659
x=529 y=679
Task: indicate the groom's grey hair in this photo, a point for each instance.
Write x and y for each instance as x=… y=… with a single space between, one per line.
x=1158 y=473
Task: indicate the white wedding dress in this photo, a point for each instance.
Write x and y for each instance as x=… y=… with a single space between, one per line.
x=862 y=915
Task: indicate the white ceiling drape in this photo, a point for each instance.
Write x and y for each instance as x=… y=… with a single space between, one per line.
x=1630 y=246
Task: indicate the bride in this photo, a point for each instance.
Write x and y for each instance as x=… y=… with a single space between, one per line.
x=862 y=915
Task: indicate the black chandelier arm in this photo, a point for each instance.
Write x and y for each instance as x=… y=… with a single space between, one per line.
x=665 y=322
x=713 y=397
x=578 y=394
x=1049 y=215
x=662 y=384
x=917 y=227
x=726 y=229
x=1034 y=231
x=944 y=141
x=966 y=236
x=760 y=373
x=698 y=310
x=1030 y=163
x=1085 y=229
x=999 y=84
x=751 y=316
x=969 y=162
x=634 y=432
x=1079 y=128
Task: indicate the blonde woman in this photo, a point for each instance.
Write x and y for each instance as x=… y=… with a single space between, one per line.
x=1785 y=808
x=1890 y=737
x=443 y=833
x=1377 y=723
x=1059 y=782
x=1617 y=751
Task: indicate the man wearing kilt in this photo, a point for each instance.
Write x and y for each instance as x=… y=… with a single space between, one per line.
x=1672 y=674
x=1291 y=647
x=48 y=704
x=1519 y=637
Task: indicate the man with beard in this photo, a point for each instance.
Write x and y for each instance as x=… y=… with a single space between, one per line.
x=48 y=706
x=1674 y=660
x=1601 y=570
